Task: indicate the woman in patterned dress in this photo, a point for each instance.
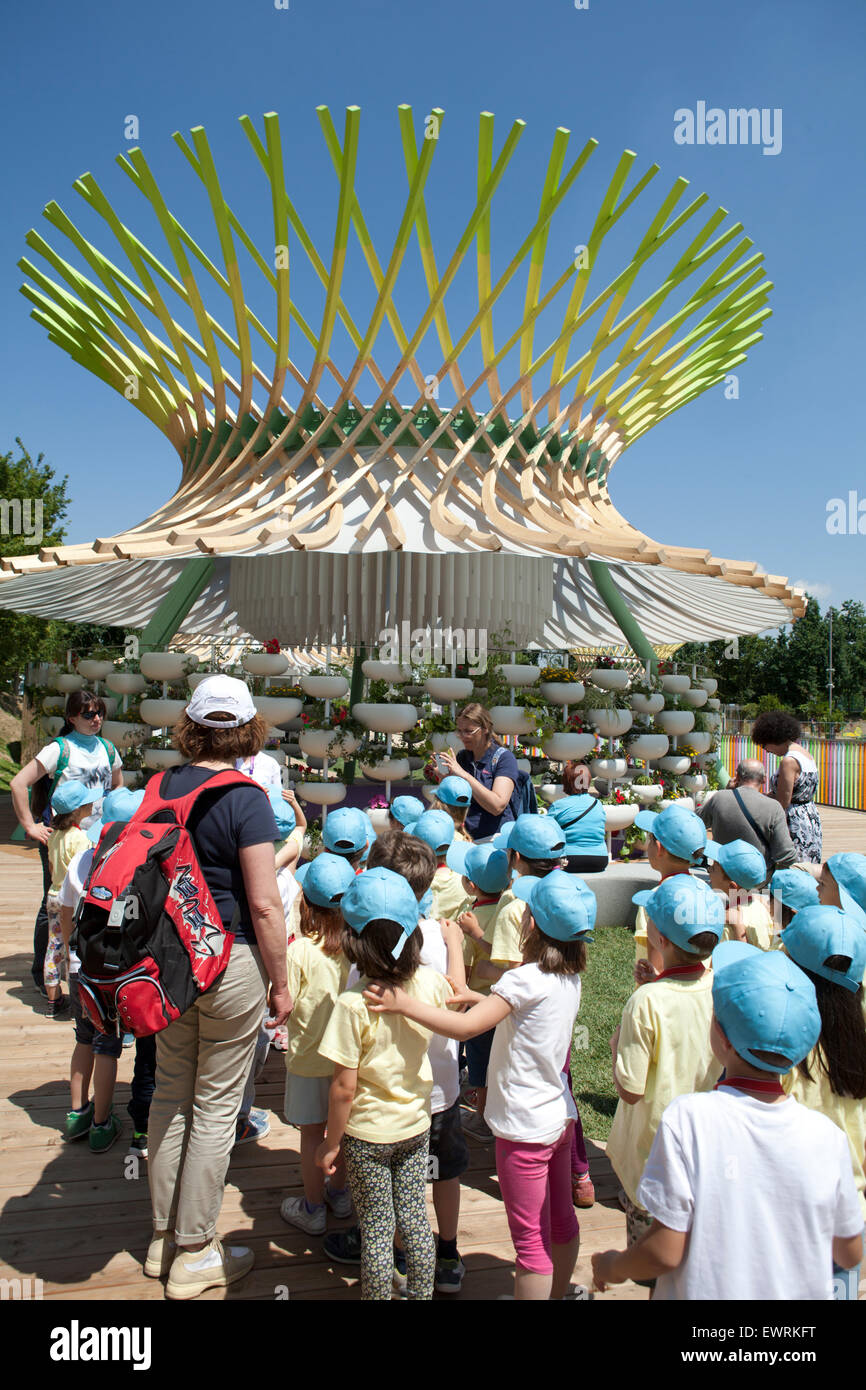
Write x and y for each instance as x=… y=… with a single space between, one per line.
x=795 y=782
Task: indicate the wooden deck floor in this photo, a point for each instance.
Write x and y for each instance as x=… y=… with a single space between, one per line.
x=80 y=1222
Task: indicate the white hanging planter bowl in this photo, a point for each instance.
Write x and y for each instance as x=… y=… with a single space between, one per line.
x=563 y=747
x=196 y=677
x=265 y=663
x=441 y=742
x=707 y=759
x=619 y=817
x=646 y=746
x=553 y=791
x=444 y=689
x=67 y=681
x=675 y=721
x=322 y=793
x=54 y=704
x=386 y=719
x=278 y=709
x=686 y=803
x=161 y=758
x=647 y=794
x=710 y=685
x=695 y=698
x=324 y=687
x=611 y=723
x=512 y=719
x=695 y=782
x=518 y=675
x=605 y=678
x=676 y=685
x=164 y=666
x=126 y=683
x=700 y=741
x=52 y=724
x=132 y=778
x=162 y=714
x=648 y=704
x=389 y=770
x=674 y=763
x=380 y=817
x=390 y=671
x=714 y=704
x=124 y=735
x=93 y=670
x=326 y=743
x=608 y=769
x=562 y=692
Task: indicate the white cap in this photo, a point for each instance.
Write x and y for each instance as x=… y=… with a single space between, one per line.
x=221 y=695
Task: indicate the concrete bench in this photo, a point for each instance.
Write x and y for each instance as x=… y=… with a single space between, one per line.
x=614 y=888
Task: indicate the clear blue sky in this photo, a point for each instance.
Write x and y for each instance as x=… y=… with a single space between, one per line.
x=747 y=478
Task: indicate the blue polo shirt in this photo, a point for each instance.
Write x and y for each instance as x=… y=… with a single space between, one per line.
x=581 y=819
x=480 y=824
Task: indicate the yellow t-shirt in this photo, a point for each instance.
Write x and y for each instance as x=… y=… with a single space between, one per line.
x=849 y=1115
x=664 y=1051
x=63 y=845
x=505 y=947
x=758 y=922
x=486 y=915
x=641 y=940
x=392 y=1101
x=449 y=896
x=315 y=981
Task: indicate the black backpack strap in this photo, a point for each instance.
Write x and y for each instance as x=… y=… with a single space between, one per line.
x=760 y=834
x=567 y=825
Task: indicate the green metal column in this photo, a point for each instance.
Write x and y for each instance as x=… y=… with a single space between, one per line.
x=180 y=598
x=621 y=614
x=355 y=691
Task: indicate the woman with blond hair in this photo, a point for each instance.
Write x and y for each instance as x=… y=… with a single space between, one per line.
x=489 y=768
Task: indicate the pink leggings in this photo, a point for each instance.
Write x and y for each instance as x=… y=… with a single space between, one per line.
x=535 y=1181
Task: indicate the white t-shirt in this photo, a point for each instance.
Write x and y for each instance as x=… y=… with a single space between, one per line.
x=88 y=763
x=262 y=768
x=71 y=890
x=443 y=1052
x=762 y=1190
x=528 y=1099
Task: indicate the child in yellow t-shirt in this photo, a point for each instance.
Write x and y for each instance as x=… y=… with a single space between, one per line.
x=379 y=1108
x=71 y=804
x=661 y=1048
x=436 y=829
x=736 y=870
x=829 y=945
x=317 y=971
x=676 y=839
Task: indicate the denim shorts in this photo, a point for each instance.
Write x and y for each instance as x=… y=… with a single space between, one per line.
x=449 y=1156
x=103 y=1044
x=478 y=1057
x=306 y=1100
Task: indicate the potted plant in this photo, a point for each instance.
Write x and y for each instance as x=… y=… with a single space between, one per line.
x=319 y=787
x=647 y=696
x=566 y=740
x=619 y=810
x=606 y=675
x=610 y=719
x=380 y=764
x=675 y=684
x=519 y=673
x=646 y=789
x=673 y=719
x=444 y=689
x=165 y=666
x=695 y=697
x=560 y=686
x=645 y=746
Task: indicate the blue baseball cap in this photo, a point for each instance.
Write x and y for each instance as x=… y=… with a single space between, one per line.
x=681 y=907
x=70 y=795
x=345 y=831
x=741 y=861
x=407 y=809
x=371 y=836
x=120 y=805
x=283 y=813
x=325 y=879
x=425 y=905
x=533 y=836
x=484 y=865
x=381 y=894
x=435 y=828
x=818 y=932
x=849 y=871
x=796 y=888
x=561 y=905
x=764 y=1003
x=680 y=832
x=454 y=791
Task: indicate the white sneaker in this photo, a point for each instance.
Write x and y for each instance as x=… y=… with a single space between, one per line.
x=339 y=1202
x=294 y=1212
x=193 y=1271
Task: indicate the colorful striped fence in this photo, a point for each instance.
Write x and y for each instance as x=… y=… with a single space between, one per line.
x=841 y=766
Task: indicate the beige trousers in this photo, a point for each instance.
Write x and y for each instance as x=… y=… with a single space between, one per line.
x=202 y=1062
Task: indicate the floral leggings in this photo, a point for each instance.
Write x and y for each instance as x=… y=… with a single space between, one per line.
x=388 y=1184
x=55 y=954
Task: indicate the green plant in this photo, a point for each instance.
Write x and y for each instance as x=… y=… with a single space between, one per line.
x=646 y=685
x=644 y=780
x=701 y=724
x=374 y=751
x=561 y=675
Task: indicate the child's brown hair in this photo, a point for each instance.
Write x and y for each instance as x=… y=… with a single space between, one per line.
x=67 y=819
x=552 y=957
x=406 y=855
x=704 y=942
x=323 y=925
x=457 y=813
x=371 y=951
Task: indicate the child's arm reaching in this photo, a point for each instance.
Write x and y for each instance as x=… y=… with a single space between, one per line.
x=479 y=1019
x=453 y=938
x=340 y=1098
x=660 y=1251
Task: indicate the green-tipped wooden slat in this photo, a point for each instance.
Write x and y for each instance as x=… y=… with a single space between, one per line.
x=345 y=206
x=277 y=179
x=536 y=258
x=483 y=253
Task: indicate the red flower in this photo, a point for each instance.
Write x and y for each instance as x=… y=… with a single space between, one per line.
x=272 y=647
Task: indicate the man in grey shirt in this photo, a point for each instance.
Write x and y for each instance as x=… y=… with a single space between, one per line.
x=724 y=816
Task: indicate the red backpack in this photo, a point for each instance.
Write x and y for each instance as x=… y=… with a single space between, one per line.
x=148 y=933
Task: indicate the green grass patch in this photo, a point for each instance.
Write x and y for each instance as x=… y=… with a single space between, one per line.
x=606 y=984
x=8 y=770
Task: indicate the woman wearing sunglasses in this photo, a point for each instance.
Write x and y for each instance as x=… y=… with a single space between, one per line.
x=78 y=754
